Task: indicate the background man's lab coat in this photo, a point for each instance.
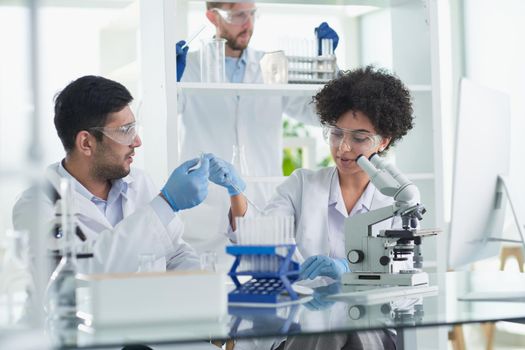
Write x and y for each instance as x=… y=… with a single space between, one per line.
x=116 y=249
x=214 y=123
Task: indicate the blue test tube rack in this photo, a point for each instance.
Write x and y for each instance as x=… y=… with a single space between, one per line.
x=266 y=287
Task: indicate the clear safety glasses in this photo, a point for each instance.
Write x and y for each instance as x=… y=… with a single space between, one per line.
x=356 y=140
x=238 y=17
x=125 y=134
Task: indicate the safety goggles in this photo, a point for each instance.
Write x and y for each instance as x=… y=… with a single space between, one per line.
x=357 y=140
x=125 y=134
x=238 y=17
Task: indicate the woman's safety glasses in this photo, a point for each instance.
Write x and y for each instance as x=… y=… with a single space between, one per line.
x=357 y=140
x=238 y=17
x=125 y=134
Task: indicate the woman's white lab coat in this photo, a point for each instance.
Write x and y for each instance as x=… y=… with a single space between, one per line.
x=304 y=195
x=116 y=249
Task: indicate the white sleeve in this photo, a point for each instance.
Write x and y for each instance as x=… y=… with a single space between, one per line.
x=142 y=232
x=302 y=109
x=282 y=203
x=116 y=249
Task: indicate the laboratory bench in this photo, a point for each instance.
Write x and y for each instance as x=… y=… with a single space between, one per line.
x=460 y=298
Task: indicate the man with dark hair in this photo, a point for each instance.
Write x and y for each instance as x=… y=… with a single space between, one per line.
x=120 y=212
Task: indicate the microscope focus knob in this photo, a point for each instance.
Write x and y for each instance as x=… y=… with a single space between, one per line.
x=384 y=260
x=355 y=312
x=355 y=256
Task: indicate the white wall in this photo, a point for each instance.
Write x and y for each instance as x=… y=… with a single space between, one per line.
x=69 y=48
x=495 y=57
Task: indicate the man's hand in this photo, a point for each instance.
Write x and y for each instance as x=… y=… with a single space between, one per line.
x=324 y=31
x=181 y=54
x=187 y=188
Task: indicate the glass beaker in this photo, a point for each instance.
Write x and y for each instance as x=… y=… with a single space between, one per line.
x=146 y=263
x=208 y=261
x=274 y=67
x=212 y=60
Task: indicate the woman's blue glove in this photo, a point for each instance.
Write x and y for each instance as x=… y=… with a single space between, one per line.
x=224 y=174
x=319 y=298
x=181 y=58
x=325 y=32
x=322 y=265
x=186 y=187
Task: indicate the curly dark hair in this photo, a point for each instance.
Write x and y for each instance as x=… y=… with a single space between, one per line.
x=381 y=96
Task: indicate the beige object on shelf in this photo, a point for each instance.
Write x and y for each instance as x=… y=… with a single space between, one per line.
x=274 y=67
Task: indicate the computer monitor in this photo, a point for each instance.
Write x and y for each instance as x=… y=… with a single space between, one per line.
x=482 y=157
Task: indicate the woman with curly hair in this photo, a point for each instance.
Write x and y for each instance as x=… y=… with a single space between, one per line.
x=363 y=111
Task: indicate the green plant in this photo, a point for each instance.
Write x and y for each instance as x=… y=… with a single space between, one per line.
x=292 y=158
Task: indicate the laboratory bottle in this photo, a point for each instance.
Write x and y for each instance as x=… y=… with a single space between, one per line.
x=61 y=289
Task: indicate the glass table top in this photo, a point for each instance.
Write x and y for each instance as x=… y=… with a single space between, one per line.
x=454 y=298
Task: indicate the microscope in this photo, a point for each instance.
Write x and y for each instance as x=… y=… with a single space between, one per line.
x=372 y=257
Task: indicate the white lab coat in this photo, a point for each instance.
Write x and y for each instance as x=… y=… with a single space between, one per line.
x=116 y=249
x=304 y=195
x=214 y=123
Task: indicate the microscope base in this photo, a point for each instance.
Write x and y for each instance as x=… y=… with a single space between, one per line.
x=392 y=279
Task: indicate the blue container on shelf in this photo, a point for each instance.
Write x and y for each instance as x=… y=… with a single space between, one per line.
x=271 y=284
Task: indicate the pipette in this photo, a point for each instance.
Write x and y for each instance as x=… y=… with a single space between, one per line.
x=252 y=203
x=193 y=36
x=245 y=196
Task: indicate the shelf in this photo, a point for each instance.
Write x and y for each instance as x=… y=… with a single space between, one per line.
x=368 y=3
x=249 y=89
x=236 y=89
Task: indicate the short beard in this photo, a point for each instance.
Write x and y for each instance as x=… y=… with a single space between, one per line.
x=105 y=167
x=109 y=172
x=232 y=42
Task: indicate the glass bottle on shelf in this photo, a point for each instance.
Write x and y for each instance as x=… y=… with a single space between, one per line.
x=61 y=290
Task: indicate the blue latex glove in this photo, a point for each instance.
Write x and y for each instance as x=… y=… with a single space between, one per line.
x=181 y=58
x=325 y=32
x=322 y=265
x=224 y=174
x=186 y=187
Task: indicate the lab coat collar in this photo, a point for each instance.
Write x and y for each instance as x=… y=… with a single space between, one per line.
x=336 y=197
x=120 y=184
x=244 y=57
x=83 y=205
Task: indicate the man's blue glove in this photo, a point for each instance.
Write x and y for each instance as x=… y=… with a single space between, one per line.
x=181 y=58
x=185 y=187
x=322 y=265
x=325 y=32
x=224 y=174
